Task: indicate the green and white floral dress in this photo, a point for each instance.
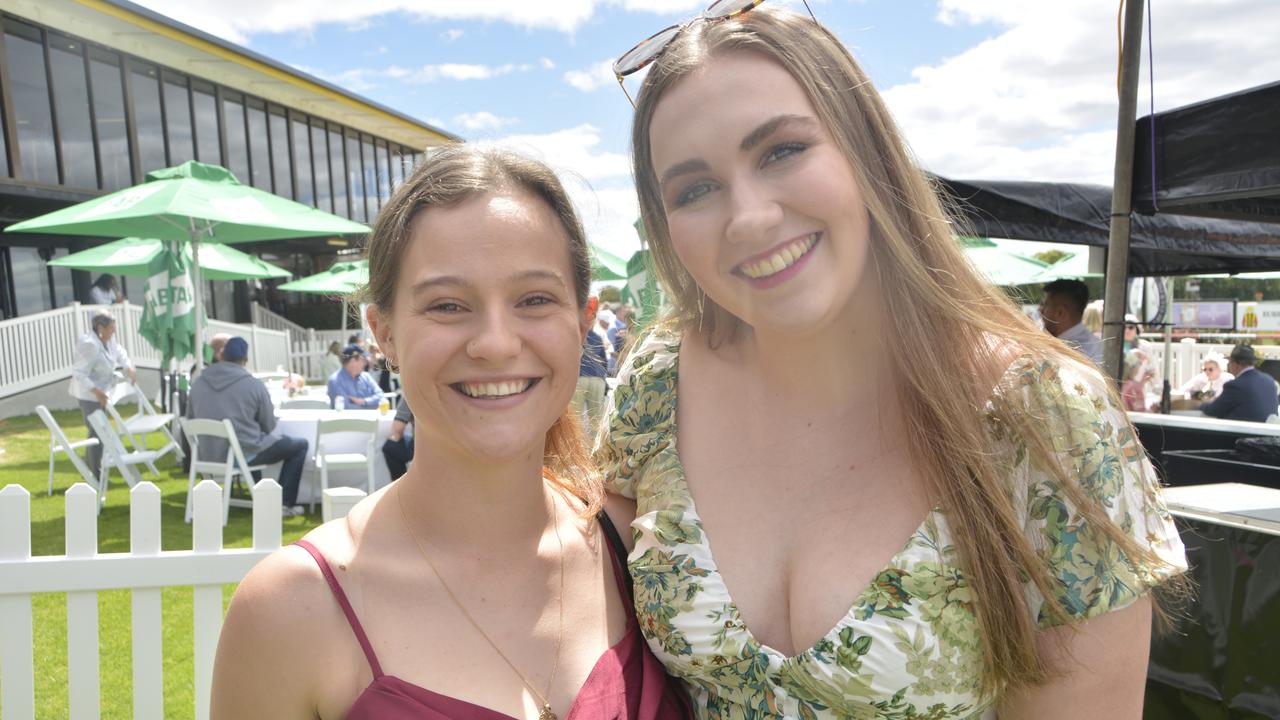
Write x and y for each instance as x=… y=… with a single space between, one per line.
x=908 y=647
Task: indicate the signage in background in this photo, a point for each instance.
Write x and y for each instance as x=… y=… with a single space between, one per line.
x=1258 y=316
x=1216 y=315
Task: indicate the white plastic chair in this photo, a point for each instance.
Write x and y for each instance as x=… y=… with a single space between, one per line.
x=304 y=404
x=114 y=455
x=143 y=423
x=326 y=461
x=232 y=467
x=58 y=443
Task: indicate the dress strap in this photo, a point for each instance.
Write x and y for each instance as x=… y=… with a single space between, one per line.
x=346 y=606
x=618 y=552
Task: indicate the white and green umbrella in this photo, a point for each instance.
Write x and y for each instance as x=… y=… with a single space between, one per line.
x=134 y=256
x=192 y=202
x=169 y=308
x=999 y=265
x=341 y=279
x=1072 y=267
x=642 y=290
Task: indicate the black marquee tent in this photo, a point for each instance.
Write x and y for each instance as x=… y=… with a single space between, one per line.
x=1163 y=244
x=1219 y=158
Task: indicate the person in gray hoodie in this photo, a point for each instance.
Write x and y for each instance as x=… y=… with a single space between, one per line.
x=227 y=390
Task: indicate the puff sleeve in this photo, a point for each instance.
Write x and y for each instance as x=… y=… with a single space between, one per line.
x=1097 y=446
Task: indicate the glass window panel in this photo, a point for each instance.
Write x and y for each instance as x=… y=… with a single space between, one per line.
x=4 y=147
x=260 y=157
x=29 y=87
x=355 y=178
x=397 y=168
x=302 y=162
x=108 y=115
x=370 y=176
x=338 y=173
x=32 y=287
x=146 y=116
x=64 y=292
x=237 y=146
x=208 y=144
x=279 y=127
x=177 y=119
x=71 y=100
x=223 y=300
x=384 y=176
x=320 y=153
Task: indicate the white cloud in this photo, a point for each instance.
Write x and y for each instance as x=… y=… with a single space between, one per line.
x=1037 y=99
x=593 y=78
x=452 y=34
x=482 y=120
x=364 y=79
x=547 y=63
x=599 y=181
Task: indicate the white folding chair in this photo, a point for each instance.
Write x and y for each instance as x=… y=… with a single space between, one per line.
x=328 y=460
x=304 y=404
x=114 y=455
x=58 y=443
x=231 y=467
x=144 y=422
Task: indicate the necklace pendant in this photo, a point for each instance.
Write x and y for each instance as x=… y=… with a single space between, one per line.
x=547 y=713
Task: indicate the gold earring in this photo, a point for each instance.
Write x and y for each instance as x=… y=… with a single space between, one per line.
x=394 y=367
x=701 y=309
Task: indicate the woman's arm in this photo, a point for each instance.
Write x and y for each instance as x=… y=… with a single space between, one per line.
x=1101 y=665
x=271 y=644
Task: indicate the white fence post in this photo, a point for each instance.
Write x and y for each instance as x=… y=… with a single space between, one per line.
x=82 y=606
x=148 y=632
x=266 y=515
x=338 y=501
x=17 y=669
x=207 y=600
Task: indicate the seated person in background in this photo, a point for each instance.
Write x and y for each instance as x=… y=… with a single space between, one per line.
x=1251 y=396
x=104 y=291
x=217 y=343
x=352 y=382
x=1208 y=383
x=398 y=449
x=228 y=391
x=1137 y=375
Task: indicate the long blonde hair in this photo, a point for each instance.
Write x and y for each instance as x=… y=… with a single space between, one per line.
x=934 y=294
x=448 y=177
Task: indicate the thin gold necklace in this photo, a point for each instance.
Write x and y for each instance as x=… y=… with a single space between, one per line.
x=546 y=713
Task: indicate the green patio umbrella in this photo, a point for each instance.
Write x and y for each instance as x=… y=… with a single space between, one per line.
x=642 y=291
x=1074 y=267
x=605 y=265
x=192 y=202
x=999 y=265
x=133 y=257
x=342 y=278
x=169 y=307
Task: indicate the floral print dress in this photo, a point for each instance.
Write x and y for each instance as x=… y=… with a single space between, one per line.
x=909 y=647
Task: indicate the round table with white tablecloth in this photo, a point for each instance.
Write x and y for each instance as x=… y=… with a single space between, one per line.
x=303 y=423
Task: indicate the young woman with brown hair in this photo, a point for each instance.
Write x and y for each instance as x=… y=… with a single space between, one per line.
x=483 y=583
x=921 y=506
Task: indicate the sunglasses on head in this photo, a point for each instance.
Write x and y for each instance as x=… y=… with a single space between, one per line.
x=651 y=48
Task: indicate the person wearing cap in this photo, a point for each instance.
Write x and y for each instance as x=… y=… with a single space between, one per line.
x=227 y=391
x=353 y=383
x=1251 y=396
x=1062 y=312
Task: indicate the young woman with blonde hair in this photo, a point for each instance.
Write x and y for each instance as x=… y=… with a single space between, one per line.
x=866 y=485
x=484 y=584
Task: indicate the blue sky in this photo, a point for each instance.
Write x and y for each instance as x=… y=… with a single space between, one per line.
x=998 y=89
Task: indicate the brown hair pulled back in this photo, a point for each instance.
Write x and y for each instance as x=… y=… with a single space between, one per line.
x=930 y=291
x=448 y=177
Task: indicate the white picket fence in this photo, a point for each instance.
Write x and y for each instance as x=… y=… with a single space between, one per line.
x=1188 y=355
x=83 y=572
x=39 y=349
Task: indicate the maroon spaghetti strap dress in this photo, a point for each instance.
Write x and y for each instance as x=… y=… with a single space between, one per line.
x=627 y=682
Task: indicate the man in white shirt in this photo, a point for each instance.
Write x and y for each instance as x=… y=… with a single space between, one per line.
x=93 y=375
x=1062 y=311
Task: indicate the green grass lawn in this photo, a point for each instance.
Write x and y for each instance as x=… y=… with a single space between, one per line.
x=24 y=460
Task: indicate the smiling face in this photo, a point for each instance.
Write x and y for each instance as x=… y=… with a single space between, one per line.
x=486 y=327
x=762 y=207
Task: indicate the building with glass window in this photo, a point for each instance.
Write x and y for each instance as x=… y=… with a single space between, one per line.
x=96 y=93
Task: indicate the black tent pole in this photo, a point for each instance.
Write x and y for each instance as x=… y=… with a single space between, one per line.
x=1122 y=194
